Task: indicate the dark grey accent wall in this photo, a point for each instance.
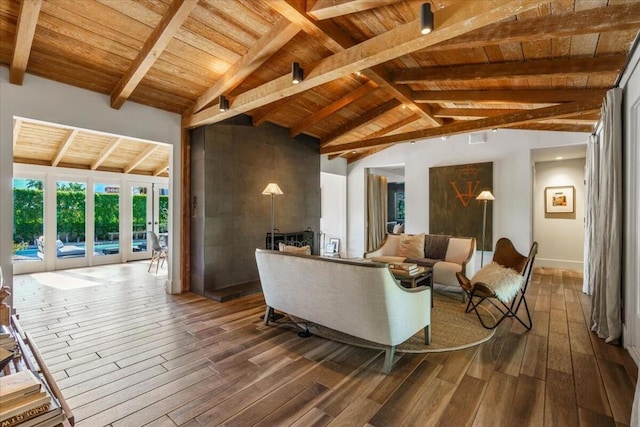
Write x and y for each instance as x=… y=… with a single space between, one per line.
x=231 y=163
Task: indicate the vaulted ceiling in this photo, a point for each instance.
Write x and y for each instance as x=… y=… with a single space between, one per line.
x=371 y=79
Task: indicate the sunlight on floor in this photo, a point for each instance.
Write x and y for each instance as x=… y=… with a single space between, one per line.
x=60 y=281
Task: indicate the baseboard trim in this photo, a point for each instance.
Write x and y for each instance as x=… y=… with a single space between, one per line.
x=634 y=351
x=559 y=263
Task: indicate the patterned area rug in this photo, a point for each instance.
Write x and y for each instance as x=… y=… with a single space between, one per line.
x=451 y=329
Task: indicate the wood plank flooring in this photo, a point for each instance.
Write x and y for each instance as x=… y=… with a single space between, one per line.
x=126 y=354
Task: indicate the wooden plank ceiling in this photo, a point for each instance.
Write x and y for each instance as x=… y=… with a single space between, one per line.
x=371 y=80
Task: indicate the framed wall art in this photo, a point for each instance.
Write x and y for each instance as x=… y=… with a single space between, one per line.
x=559 y=199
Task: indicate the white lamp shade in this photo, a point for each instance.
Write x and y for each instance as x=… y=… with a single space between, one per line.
x=272 y=188
x=485 y=195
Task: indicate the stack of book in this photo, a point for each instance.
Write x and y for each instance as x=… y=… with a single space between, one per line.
x=25 y=402
x=404 y=268
x=7 y=340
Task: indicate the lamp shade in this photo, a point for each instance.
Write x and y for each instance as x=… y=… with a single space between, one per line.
x=272 y=188
x=485 y=195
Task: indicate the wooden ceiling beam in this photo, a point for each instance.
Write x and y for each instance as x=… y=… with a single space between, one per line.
x=513 y=70
x=362 y=155
x=337 y=40
x=25 y=31
x=361 y=121
x=325 y=112
x=520 y=96
x=162 y=34
x=512 y=119
x=452 y=22
x=325 y=9
x=273 y=109
x=141 y=158
x=279 y=35
x=470 y=113
x=394 y=127
x=105 y=153
x=589 y=21
x=162 y=169
x=17 y=125
x=555 y=127
x=64 y=147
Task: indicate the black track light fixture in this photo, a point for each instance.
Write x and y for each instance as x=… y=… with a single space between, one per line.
x=426 y=18
x=297 y=73
x=224 y=103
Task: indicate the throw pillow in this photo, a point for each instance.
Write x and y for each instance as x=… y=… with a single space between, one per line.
x=398 y=228
x=435 y=246
x=504 y=281
x=303 y=250
x=411 y=246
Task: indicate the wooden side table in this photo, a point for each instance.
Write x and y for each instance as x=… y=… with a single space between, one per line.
x=423 y=277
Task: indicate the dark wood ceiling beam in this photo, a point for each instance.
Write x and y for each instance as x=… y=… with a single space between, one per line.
x=25 y=31
x=589 y=21
x=512 y=119
x=62 y=149
x=325 y=9
x=141 y=158
x=325 y=112
x=513 y=70
x=453 y=21
x=361 y=121
x=162 y=34
x=524 y=96
x=105 y=153
x=279 y=35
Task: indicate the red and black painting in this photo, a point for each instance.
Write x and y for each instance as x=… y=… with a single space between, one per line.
x=453 y=208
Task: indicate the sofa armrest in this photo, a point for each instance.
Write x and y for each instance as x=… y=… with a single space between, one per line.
x=389 y=247
x=469 y=264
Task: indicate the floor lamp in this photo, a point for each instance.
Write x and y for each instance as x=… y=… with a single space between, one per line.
x=272 y=189
x=484 y=196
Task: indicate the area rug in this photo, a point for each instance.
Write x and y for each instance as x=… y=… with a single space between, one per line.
x=451 y=329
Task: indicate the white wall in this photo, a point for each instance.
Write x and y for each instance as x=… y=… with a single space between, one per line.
x=560 y=237
x=333 y=218
x=510 y=152
x=630 y=84
x=54 y=102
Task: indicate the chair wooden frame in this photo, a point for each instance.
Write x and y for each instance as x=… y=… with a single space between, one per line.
x=506 y=255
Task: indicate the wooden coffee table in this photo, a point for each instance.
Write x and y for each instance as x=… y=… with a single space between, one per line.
x=423 y=277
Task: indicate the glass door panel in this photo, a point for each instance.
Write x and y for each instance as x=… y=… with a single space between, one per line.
x=141 y=220
x=28 y=220
x=70 y=219
x=161 y=206
x=106 y=219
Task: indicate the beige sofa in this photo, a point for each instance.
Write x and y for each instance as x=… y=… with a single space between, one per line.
x=361 y=299
x=455 y=254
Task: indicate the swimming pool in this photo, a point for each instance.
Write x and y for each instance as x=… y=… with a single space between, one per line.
x=31 y=253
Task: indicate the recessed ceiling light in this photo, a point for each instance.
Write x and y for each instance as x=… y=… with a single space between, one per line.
x=559 y=158
x=413 y=142
x=443 y=137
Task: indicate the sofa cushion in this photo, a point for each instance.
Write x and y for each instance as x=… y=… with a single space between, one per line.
x=411 y=246
x=435 y=246
x=444 y=273
x=303 y=250
x=458 y=250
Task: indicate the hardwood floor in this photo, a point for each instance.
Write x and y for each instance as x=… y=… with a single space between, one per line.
x=126 y=354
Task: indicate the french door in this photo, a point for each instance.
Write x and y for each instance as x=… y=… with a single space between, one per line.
x=149 y=212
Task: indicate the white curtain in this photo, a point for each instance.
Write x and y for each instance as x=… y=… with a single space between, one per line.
x=376 y=211
x=604 y=222
x=591 y=232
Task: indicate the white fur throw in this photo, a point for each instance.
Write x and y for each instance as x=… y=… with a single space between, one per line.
x=505 y=282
